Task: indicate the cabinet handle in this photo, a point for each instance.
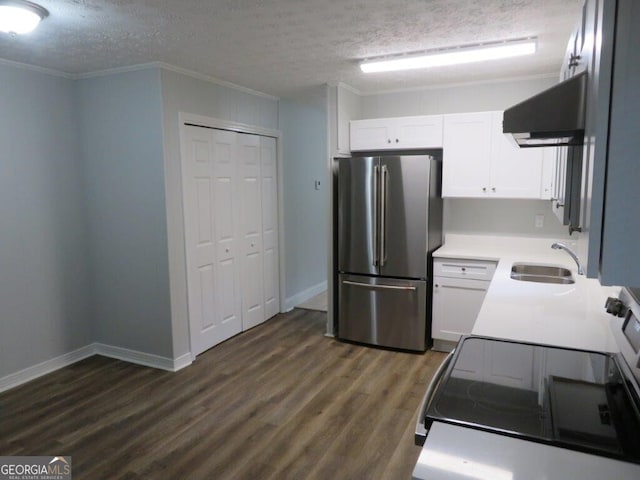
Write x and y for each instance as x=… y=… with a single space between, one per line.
x=436 y=285
x=574 y=60
x=397 y=140
x=484 y=189
x=463 y=269
x=226 y=250
x=493 y=189
x=388 y=140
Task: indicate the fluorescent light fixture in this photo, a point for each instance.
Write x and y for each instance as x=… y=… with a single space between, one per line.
x=452 y=56
x=18 y=16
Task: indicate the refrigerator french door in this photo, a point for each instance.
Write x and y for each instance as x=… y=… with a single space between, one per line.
x=389 y=219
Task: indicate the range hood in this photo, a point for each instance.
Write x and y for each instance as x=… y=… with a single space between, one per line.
x=554 y=117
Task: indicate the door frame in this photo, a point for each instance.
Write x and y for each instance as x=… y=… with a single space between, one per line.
x=217 y=123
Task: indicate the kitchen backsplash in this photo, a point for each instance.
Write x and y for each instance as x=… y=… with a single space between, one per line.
x=502 y=217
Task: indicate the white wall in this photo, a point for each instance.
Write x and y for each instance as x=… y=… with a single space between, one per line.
x=182 y=93
x=121 y=139
x=303 y=123
x=495 y=216
x=344 y=105
x=44 y=295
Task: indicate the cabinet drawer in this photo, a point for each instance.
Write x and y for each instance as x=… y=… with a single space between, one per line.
x=458 y=268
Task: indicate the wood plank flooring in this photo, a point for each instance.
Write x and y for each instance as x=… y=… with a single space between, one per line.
x=280 y=401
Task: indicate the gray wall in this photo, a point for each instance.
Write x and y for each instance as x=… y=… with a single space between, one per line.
x=181 y=93
x=121 y=143
x=457 y=99
x=304 y=133
x=44 y=309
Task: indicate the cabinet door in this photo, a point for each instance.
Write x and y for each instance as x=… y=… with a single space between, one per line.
x=250 y=233
x=209 y=181
x=418 y=132
x=271 y=287
x=466 y=155
x=456 y=304
x=547 y=187
x=515 y=172
x=373 y=134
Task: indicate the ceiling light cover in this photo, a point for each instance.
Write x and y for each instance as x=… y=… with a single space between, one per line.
x=452 y=56
x=20 y=16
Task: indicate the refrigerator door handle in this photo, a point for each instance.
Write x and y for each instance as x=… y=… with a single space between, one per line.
x=383 y=287
x=384 y=185
x=376 y=183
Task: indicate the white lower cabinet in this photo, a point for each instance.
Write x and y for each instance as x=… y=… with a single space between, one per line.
x=459 y=288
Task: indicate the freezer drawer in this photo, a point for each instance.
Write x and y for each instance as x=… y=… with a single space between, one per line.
x=383 y=311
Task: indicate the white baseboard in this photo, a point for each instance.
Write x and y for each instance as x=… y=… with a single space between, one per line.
x=142 y=358
x=305 y=295
x=132 y=356
x=35 y=371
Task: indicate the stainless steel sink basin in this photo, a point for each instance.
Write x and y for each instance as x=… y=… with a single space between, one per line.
x=541 y=274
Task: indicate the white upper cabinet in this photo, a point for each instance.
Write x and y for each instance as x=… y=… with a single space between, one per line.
x=399 y=133
x=467 y=155
x=480 y=161
x=515 y=172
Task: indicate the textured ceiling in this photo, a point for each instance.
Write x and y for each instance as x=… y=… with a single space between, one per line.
x=281 y=47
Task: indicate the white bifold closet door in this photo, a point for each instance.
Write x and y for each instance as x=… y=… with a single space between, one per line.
x=231 y=233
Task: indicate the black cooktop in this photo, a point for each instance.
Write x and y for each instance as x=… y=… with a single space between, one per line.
x=570 y=398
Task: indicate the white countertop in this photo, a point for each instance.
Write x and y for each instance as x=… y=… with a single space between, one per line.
x=563 y=315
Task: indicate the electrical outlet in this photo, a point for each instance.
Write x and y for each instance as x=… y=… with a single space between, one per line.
x=539 y=220
x=317 y=184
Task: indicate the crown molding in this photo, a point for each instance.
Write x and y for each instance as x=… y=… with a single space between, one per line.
x=134 y=68
x=35 y=68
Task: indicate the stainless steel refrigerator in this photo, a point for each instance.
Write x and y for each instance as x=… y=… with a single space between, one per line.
x=389 y=222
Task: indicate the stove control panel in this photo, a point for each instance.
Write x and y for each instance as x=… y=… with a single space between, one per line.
x=631 y=330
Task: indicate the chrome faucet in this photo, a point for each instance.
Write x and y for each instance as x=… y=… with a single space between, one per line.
x=562 y=246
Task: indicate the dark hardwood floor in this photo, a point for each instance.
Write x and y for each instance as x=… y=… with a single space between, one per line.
x=281 y=401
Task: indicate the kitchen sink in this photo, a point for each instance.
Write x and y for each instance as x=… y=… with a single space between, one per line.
x=541 y=274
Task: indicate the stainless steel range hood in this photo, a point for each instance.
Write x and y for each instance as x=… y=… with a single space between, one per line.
x=554 y=117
